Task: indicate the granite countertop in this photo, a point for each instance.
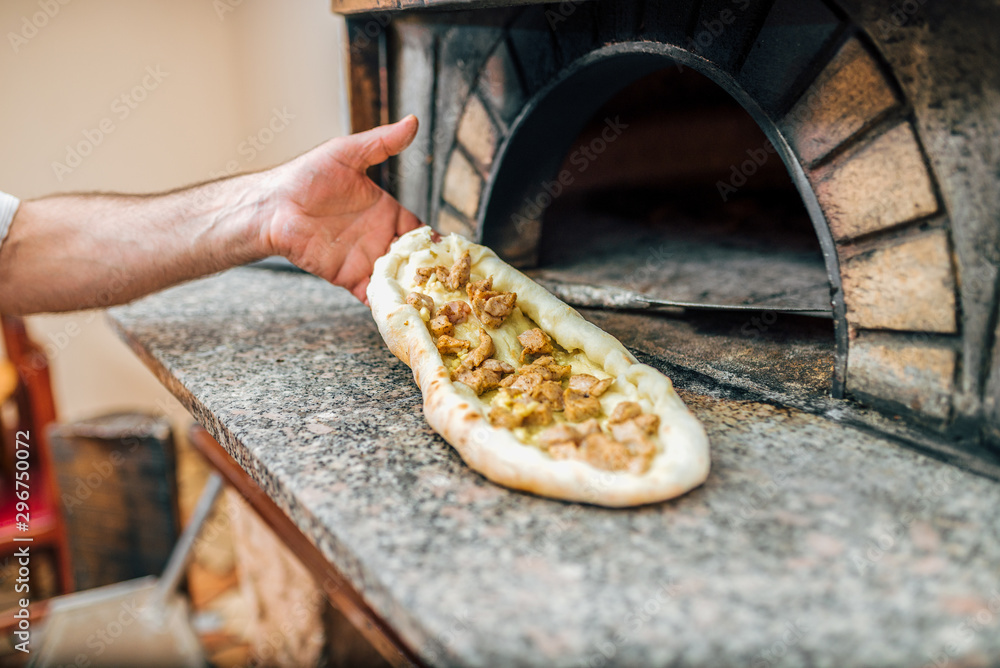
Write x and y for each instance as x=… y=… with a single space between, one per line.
x=810 y=544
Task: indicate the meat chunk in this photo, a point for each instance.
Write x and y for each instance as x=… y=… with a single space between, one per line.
x=548 y=392
x=456 y=312
x=587 y=428
x=449 y=315
x=520 y=412
x=497 y=366
x=454 y=278
x=458 y=276
x=641 y=461
x=535 y=412
x=581 y=382
x=420 y=301
x=548 y=368
x=633 y=434
x=440 y=326
x=490 y=306
x=480 y=372
x=477 y=370
x=449 y=345
x=504 y=418
x=643 y=451
x=567 y=433
x=480 y=353
x=423 y=274
x=560 y=433
x=531 y=375
x=642 y=447
x=628 y=424
x=560 y=451
x=480 y=380
x=476 y=288
x=493 y=310
x=648 y=423
x=500 y=306
x=626 y=410
x=526 y=381
x=632 y=452
x=488 y=375
x=535 y=342
x=580 y=406
x=506 y=397
x=442 y=275
x=630 y=432
x=584 y=383
x=604 y=453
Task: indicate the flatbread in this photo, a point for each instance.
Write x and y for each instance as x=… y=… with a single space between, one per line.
x=507 y=456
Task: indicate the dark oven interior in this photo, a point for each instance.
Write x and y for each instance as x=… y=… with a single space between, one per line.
x=671 y=189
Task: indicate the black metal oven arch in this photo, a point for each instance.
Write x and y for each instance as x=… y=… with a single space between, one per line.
x=553 y=117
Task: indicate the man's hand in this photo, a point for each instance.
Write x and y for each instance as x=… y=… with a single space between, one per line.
x=330 y=219
x=319 y=210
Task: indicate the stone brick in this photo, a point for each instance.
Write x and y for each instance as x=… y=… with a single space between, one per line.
x=499 y=84
x=725 y=29
x=477 y=133
x=447 y=223
x=790 y=41
x=884 y=184
x=917 y=374
x=462 y=185
x=906 y=286
x=530 y=40
x=850 y=94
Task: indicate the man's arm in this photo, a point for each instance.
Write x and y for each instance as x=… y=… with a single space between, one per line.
x=319 y=210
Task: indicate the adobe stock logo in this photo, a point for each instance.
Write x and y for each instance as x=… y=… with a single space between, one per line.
x=38 y=20
x=257 y=142
x=122 y=107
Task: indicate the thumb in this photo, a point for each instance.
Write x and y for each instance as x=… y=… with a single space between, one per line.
x=364 y=149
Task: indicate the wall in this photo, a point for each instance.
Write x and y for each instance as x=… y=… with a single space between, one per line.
x=183 y=84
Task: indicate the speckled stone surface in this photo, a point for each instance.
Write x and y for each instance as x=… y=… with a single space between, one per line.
x=810 y=544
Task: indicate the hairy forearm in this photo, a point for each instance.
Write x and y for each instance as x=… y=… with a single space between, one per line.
x=319 y=210
x=74 y=252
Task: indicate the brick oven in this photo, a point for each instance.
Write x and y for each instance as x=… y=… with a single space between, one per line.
x=843 y=153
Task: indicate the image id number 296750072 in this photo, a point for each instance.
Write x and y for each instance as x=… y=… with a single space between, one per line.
x=22 y=521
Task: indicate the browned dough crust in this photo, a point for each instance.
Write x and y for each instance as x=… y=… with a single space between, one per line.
x=454 y=411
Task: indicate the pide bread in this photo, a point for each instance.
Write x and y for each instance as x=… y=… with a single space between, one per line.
x=530 y=394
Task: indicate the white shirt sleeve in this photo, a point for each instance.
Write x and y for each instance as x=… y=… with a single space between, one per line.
x=8 y=207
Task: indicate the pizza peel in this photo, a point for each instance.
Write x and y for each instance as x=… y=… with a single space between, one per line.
x=614 y=298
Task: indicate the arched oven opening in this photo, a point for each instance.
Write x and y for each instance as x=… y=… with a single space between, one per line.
x=877 y=141
x=638 y=173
